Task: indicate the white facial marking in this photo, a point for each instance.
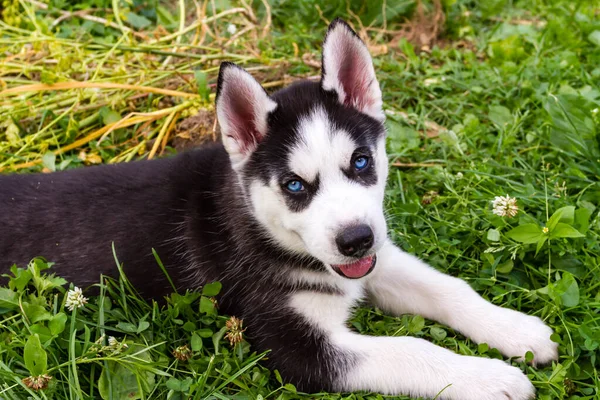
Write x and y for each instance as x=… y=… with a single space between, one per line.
x=323 y=151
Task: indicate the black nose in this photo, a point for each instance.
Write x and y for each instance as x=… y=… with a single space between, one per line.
x=355 y=241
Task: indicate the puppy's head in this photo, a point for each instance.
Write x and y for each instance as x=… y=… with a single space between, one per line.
x=311 y=157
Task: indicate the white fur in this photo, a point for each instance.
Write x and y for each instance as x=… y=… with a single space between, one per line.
x=339 y=45
x=415 y=367
x=239 y=83
x=401 y=283
x=320 y=147
x=323 y=151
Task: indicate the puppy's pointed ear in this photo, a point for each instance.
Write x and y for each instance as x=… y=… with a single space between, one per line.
x=348 y=70
x=242 y=109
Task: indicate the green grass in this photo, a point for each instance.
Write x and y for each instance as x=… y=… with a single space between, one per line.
x=506 y=104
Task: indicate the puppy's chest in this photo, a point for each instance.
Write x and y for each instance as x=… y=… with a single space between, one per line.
x=331 y=301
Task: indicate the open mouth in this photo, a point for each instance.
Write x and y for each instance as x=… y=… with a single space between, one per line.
x=357 y=269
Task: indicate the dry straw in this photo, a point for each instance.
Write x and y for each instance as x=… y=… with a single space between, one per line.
x=61 y=97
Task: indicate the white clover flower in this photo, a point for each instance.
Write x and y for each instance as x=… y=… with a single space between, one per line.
x=459 y=175
x=75 y=299
x=232 y=29
x=505 y=206
x=112 y=341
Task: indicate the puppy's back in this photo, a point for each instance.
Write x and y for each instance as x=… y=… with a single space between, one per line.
x=73 y=217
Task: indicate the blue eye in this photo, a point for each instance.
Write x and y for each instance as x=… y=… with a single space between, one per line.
x=294 y=186
x=361 y=163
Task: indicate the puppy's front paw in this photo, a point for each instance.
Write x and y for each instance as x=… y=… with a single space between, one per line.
x=485 y=379
x=515 y=333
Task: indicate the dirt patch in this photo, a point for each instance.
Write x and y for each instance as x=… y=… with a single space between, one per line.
x=196 y=130
x=424 y=29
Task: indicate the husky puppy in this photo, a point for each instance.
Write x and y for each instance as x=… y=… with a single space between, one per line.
x=288 y=215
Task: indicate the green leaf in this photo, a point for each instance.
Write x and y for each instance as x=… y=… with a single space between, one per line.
x=482 y=348
x=196 y=342
x=12 y=134
x=528 y=233
x=211 y=289
x=109 y=116
x=401 y=139
x=42 y=331
x=289 y=387
x=48 y=77
x=21 y=278
x=529 y=356
x=164 y=16
x=582 y=219
x=49 y=160
x=37 y=265
x=594 y=37
x=36 y=359
x=488 y=258
x=174 y=384
x=202 y=84
x=142 y=326
x=450 y=138
x=565 y=214
x=565 y=231
x=189 y=326
x=216 y=338
x=122 y=385
x=204 y=332
x=8 y=299
x=568 y=289
x=57 y=323
x=505 y=267
x=540 y=244
x=500 y=116
x=179 y=385
x=51 y=281
x=137 y=21
x=278 y=377
x=438 y=333
x=573 y=125
x=43 y=282
x=119 y=382
x=493 y=235
x=127 y=327
x=207 y=306
x=571 y=264
x=416 y=324
x=36 y=313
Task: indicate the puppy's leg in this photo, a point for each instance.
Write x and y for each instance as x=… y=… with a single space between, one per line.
x=411 y=366
x=391 y=365
x=403 y=284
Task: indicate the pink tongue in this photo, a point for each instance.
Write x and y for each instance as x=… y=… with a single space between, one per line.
x=357 y=269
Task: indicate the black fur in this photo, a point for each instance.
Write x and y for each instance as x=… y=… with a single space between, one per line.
x=178 y=206
x=299 y=100
x=191 y=209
